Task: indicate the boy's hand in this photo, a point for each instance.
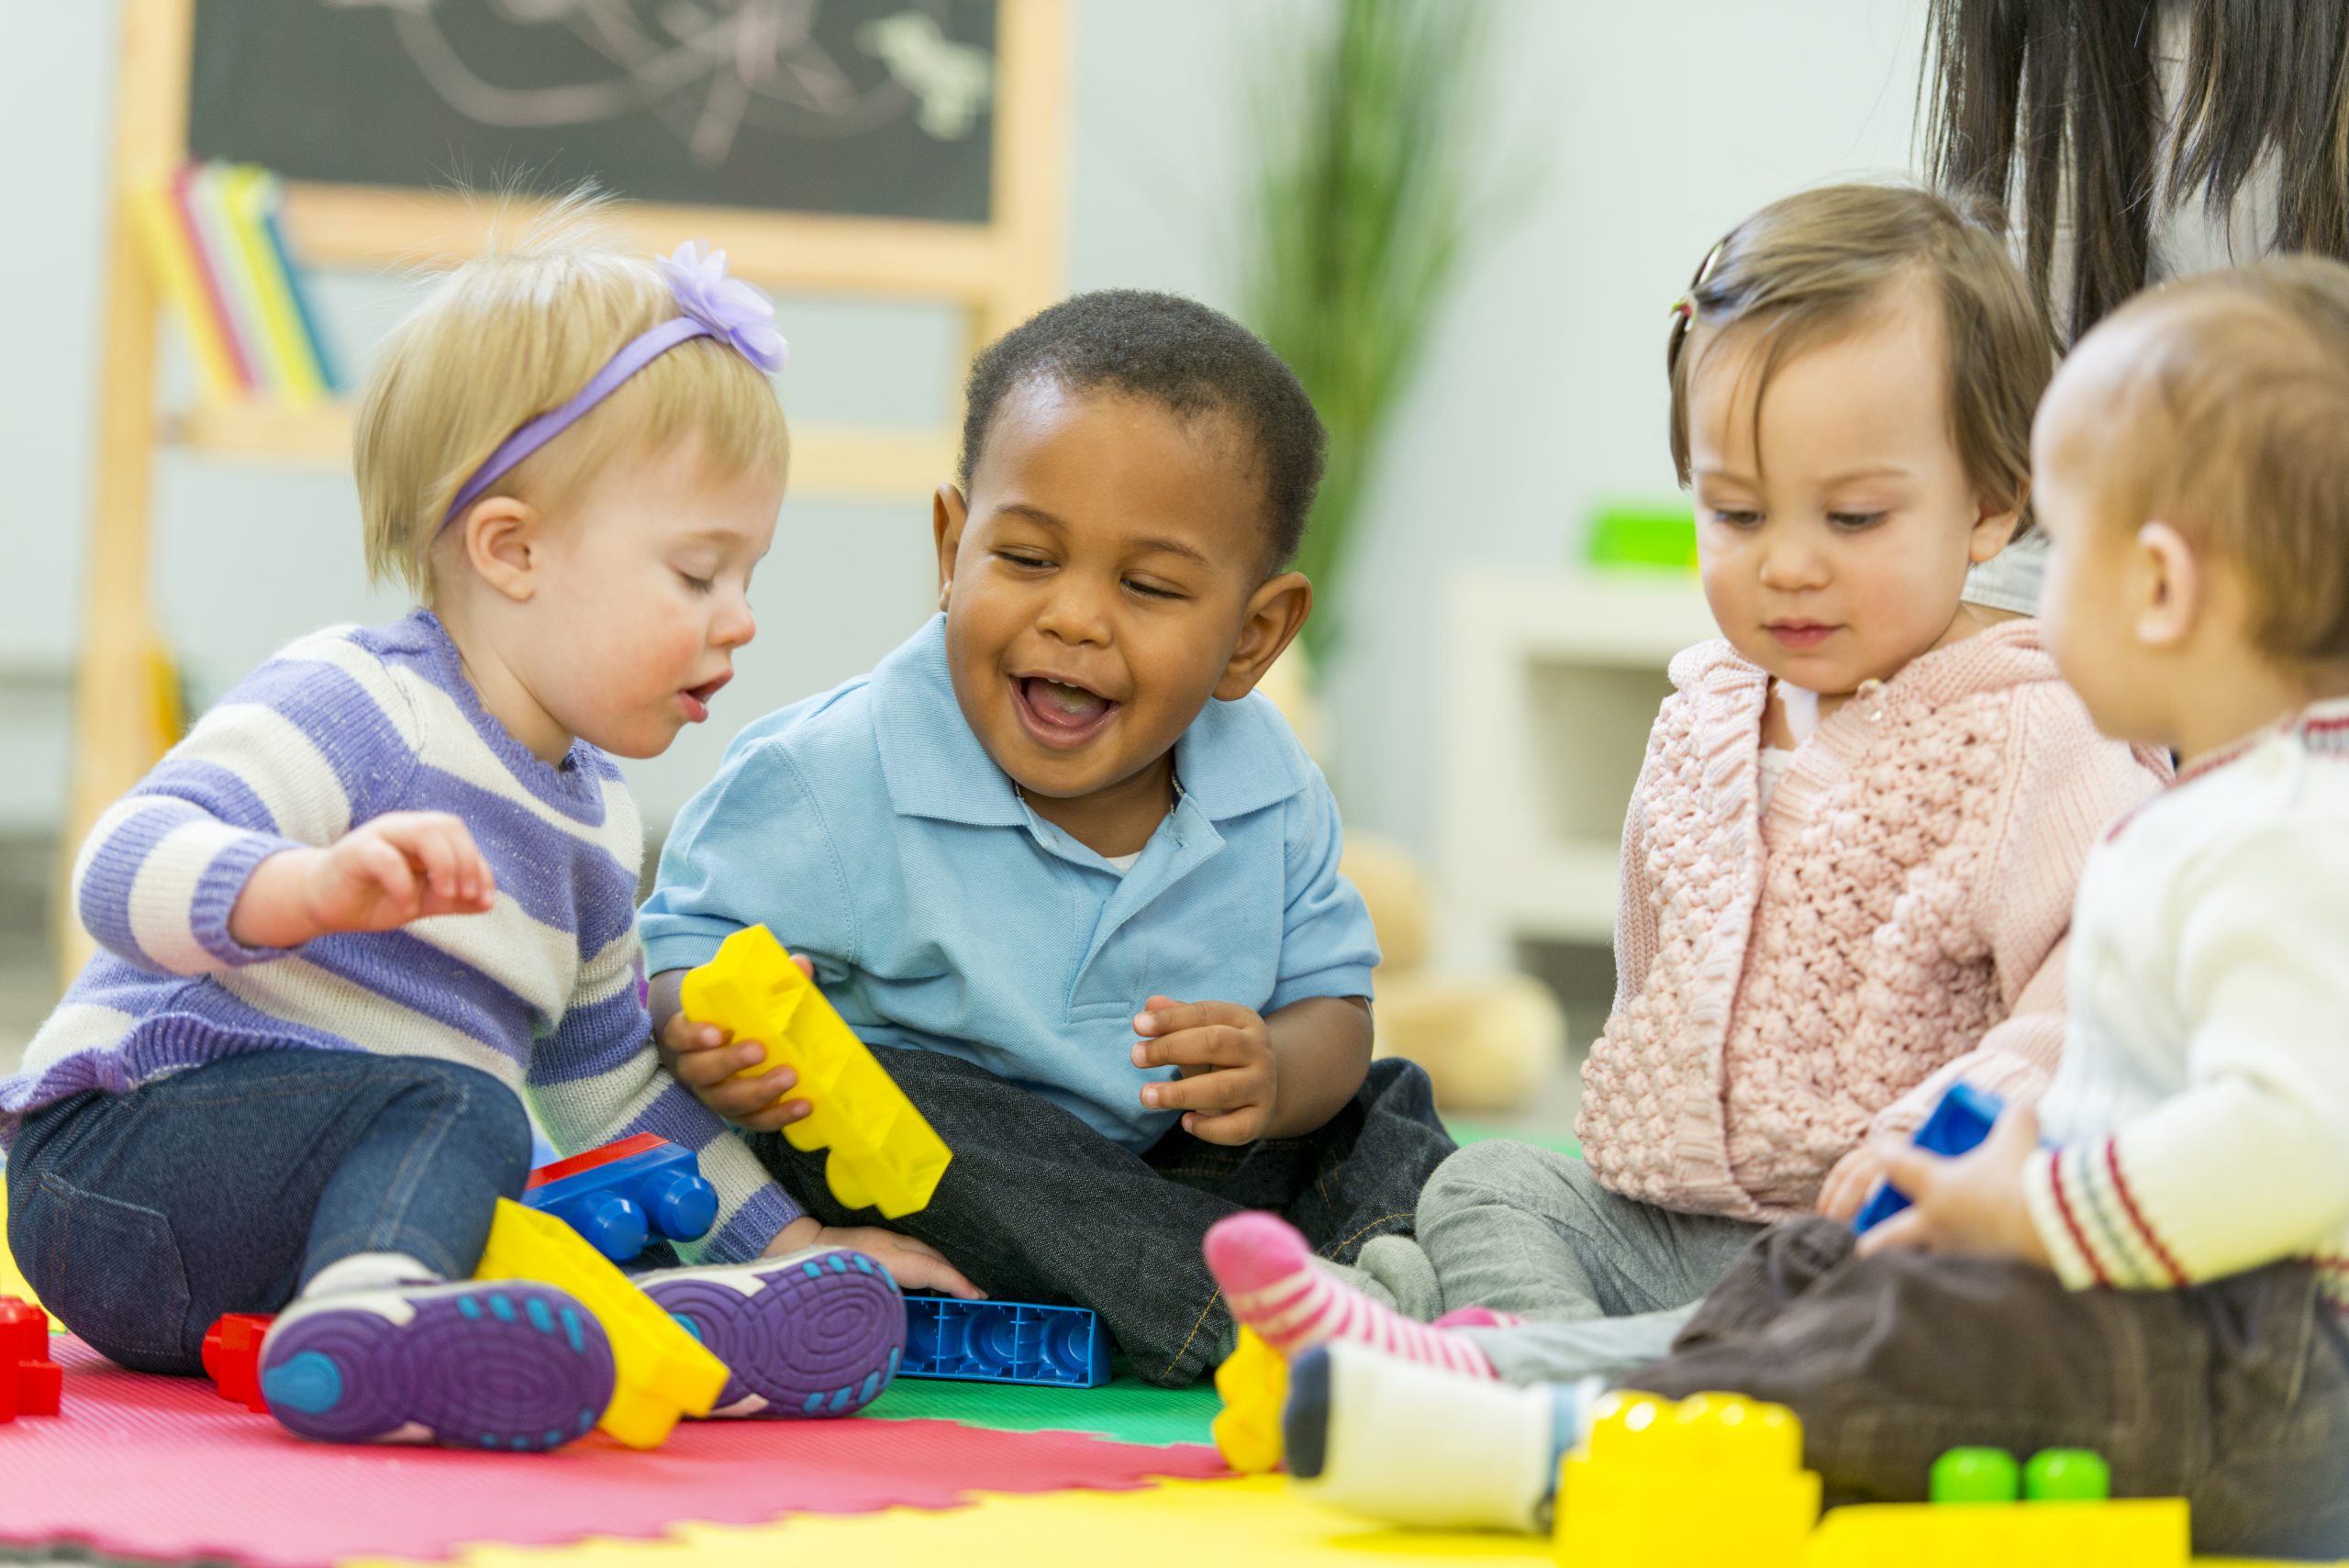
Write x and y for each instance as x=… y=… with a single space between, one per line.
x=1230 y=1081
x=1970 y=1206
x=401 y=866
x=915 y=1265
x=1848 y=1185
x=704 y=1058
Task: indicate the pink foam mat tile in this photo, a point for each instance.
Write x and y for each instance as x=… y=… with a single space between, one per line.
x=161 y=1468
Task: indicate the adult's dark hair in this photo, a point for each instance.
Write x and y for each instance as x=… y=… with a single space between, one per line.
x=2058 y=101
x=1193 y=361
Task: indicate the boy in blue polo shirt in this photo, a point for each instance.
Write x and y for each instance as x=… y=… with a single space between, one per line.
x=1075 y=883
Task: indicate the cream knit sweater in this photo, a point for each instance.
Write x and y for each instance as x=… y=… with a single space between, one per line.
x=1790 y=981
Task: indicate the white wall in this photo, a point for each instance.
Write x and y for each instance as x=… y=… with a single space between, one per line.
x=1658 y=123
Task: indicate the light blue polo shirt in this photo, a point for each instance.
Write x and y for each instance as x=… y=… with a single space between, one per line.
x=869 y=829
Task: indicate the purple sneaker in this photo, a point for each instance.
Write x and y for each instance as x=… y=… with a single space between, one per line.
x=818 y=1333
x=485 y=1363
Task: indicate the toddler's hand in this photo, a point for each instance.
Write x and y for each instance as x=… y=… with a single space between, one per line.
x=1972 y=1205
x=704 y=1058
x=915 y=1265
x=1848 y=1185
x=1228 y=1082
x=401 y=866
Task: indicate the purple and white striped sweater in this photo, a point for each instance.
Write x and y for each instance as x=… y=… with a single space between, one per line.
x=543 y=992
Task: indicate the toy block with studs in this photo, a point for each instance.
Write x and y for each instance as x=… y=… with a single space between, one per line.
x=232 y=1358
x=1711 y=1478
x=2055 y=1512
x=623 y=1195
x=1253 y=1382
x=884 y=1155
x=663 y=1371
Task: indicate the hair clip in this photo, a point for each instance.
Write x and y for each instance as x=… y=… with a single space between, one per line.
x=1705 y=269
x=1686 y=310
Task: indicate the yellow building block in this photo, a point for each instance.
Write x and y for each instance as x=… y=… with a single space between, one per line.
x=12 y=1280
x=1253 y=1381
x=884 y=1155
x=663 y=1371
x=1711 y=1479
x=2141 y=1533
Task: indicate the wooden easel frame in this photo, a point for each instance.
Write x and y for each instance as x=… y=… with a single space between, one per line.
x=999 y=274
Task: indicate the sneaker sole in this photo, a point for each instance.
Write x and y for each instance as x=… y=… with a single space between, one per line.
x=508 y=1365
x=816 y=1335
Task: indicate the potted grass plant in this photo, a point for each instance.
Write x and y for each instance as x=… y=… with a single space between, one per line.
x=1362 y=115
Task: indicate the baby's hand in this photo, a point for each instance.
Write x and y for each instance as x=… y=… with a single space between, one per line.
x=1228 y=1082
x=1972 y=1205
x=1848 y=1185
x=704 y=1058
x=915 y=1265
x=401 y=866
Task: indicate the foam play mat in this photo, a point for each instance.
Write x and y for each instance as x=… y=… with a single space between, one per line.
x=159 y=1470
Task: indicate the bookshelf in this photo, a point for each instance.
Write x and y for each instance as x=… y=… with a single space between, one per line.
x=997 y=273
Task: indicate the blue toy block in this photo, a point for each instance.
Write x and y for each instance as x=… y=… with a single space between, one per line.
x=1962 y=1120
x=1003 y=1342
x=622 y=1195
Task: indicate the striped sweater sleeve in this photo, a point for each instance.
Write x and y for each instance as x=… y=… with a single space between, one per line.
x=291 y=757
x=598 y=1078
x=2249 y=1163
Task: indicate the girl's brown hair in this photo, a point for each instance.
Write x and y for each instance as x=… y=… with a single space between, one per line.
x=1812 y=266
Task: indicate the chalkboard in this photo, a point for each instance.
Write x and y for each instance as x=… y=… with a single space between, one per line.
x=872 y=108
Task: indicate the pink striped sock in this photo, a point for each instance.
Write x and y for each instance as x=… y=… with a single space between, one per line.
x=1269 y=1281
x=1479 y=1318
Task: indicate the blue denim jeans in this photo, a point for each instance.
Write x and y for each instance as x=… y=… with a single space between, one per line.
x=143 y=1217
x=1038 y=1206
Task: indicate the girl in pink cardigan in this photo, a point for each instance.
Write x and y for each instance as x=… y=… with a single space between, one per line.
x=1849 y=861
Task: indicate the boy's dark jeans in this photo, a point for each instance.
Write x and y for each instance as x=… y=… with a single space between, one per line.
x=2233 y=1394
x=139 y=1219
x=1038 y=1206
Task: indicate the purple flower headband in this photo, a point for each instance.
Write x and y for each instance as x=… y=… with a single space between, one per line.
x=714 y=306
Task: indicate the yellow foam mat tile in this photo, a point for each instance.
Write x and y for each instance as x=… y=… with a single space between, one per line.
x=1258 y=1522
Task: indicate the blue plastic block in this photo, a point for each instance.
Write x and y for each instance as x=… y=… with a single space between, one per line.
x=1962 y=1120
x=1005 y=1341
x=620 y=1204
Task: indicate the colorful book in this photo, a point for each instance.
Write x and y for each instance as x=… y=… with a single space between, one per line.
x=224 y=328
x=174 y=261
x=245 y=192
x=330 y=369
x=214 y=228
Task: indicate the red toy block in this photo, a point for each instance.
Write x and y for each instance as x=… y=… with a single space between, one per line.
x=41 y=1388
x=232 y=1358
x=642 y=1144
x=24 y=1331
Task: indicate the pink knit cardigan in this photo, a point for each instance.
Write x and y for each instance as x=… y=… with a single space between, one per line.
x=1790 y=981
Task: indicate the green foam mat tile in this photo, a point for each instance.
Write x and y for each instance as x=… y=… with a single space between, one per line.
x=1466 y=1132
x=1125 y=1408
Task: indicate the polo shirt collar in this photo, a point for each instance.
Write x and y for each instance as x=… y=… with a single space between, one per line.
x=1232 y=760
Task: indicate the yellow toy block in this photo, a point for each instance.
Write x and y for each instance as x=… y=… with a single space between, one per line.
x=663 y=1371
x=1253 y=1382
x=884 y=1155
x=1711 y=1479
x=2141 y=1533
x=12 y=1280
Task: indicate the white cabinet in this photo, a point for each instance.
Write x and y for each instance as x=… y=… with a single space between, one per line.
x=1552 y=682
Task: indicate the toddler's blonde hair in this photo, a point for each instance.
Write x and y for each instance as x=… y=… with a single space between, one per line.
x=513 y=333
